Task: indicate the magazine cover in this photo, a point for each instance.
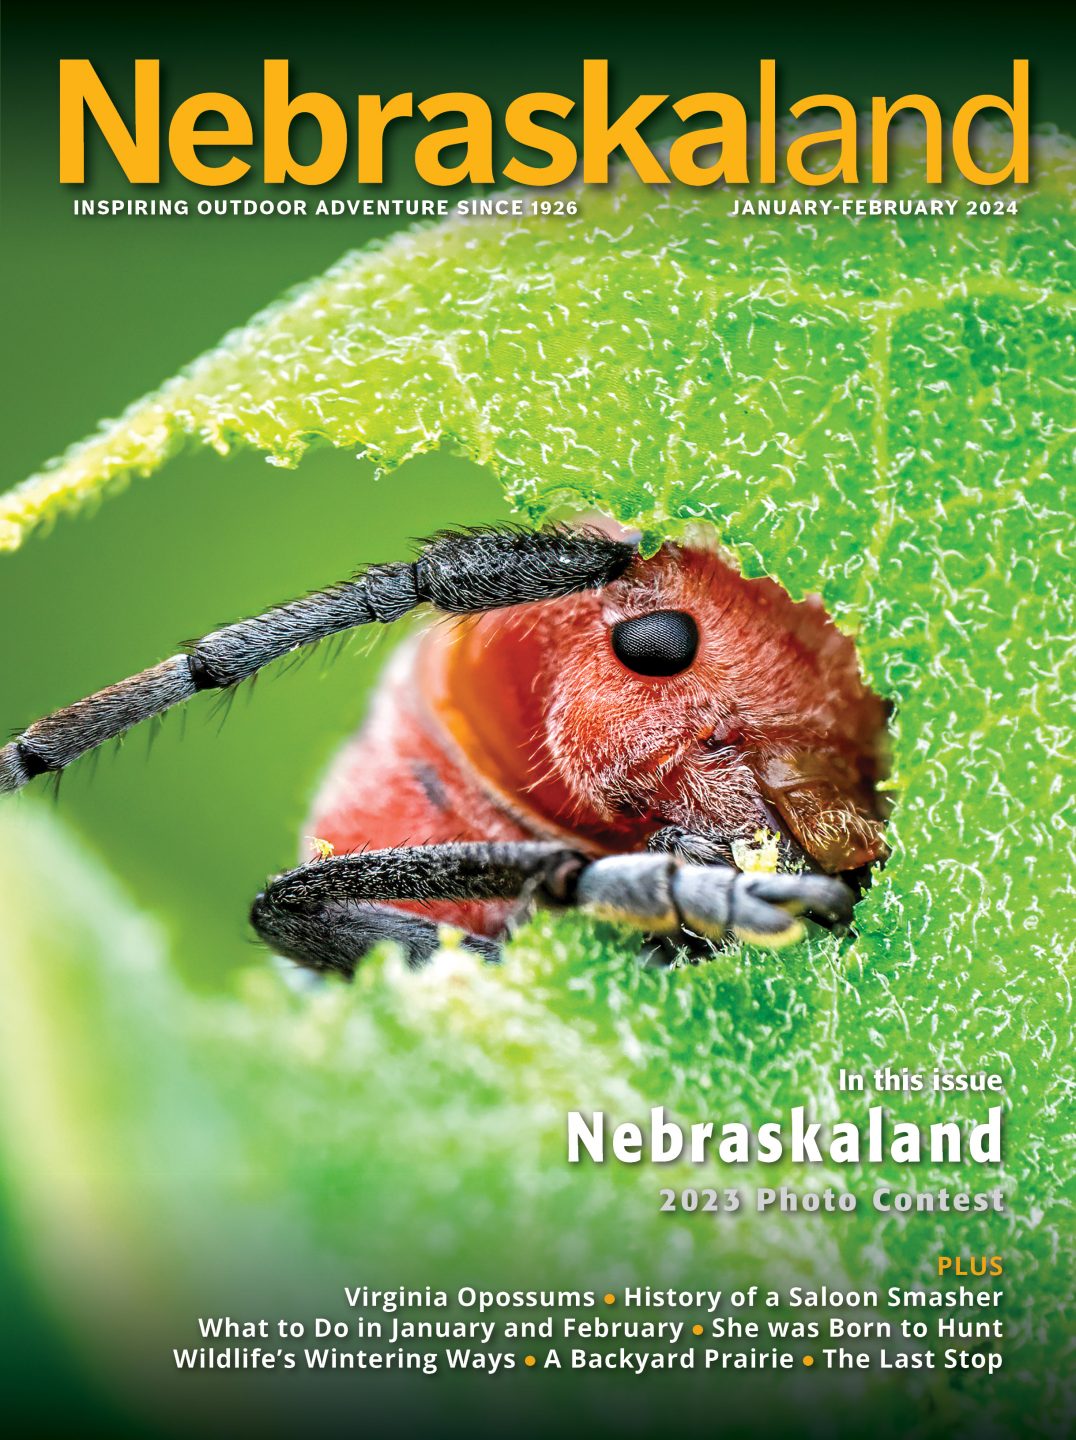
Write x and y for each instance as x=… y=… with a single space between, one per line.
x=536 y=882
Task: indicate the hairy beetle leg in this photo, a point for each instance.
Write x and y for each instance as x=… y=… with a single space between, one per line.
x=328 y=913
x=662 y=895
x=334 y=937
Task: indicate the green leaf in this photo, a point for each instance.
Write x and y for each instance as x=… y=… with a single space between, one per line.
x=883 y=411
x=650 y=355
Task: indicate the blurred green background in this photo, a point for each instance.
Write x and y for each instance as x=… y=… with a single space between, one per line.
x=99 y=310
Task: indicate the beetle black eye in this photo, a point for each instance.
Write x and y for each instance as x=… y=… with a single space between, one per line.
x=663 y=643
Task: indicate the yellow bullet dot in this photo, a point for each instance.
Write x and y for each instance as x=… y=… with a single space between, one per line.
x=529 y=1360
x=696 y=1329
x=808 y=1359
x=610 y=1299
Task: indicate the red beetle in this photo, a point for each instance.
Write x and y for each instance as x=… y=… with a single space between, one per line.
x=600 y=729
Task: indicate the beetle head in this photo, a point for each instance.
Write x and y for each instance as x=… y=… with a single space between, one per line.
x=685 y=694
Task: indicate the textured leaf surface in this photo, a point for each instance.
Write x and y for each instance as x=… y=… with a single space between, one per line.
x=881 y=411
x=650 y=355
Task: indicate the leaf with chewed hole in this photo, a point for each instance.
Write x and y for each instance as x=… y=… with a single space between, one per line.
x=879 y=409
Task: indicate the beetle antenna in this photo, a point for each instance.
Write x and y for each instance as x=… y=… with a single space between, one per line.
x=459 y=572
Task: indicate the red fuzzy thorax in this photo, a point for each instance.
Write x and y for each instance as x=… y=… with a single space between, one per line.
x=522 y=723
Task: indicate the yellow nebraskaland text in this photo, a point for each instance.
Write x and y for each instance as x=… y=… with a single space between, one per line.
x=716 y=151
